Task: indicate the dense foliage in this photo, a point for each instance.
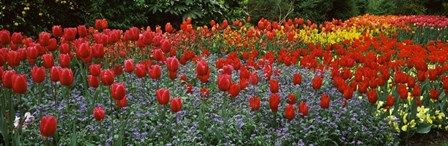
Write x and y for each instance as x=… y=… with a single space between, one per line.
x=36 y=16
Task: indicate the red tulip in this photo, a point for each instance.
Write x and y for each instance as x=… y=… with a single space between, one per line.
x=274 y=101
x=172 y=75
x=98 y=113
x=445 y=83
x=107 y=77
x=66 y=77
x=7 y=78
x=166 y=46
x=434 y=94
x=273 y=86
x=362 y=87
x=202 y=68
x=182 y=60
x=95 y=69
x=204 y=79
x=416 y=91
x=325 y=101
x=32 y=52
x=157 y=54
x=253 y=79
x=183 y=78
x=212 y=23
x=48 y=126
x=52 y=45
x=38 y=74
x=155 y=71
x=254 y=103
x=13 y=58
x=57 y=31
x=372 y=96
x=44 y=38
x=64 y=60
x=140 y=71
x=243 y=83
x=69 y=34
x=129 y=65
x=17 y=38
x=224 y=82
x=227 y=69
x=204 y=92
x=168 y=27
x=189 y=88
x=118 y=91
x=121 y=103
x=3 y=56
x=94 y=81
x=289 y=112
x=132 y=34
x=303 y=108
x=244 y=73
x=118 y=70
x=64 y=48
x=163 y=96
x=98 y=51
x=432 y=74
x=419 y=102
x=176 y=104
x=48 y=60
x=19 y=85
x=291 y=99
x=411 y=82
x=1 y=72
x=54 y=73
x=348 y=93
x=83 y=51
x=172 y=64
x=390 y=100
x=402 y=91
x=297 y=80
x=5 y=37
x=23 y=54
x=317 y=83
x=82 y=30
x=234 y=90
x=100 y=23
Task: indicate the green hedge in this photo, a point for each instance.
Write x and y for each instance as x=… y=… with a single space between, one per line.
x=32 y=17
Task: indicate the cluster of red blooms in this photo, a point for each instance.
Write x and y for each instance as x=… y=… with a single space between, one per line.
x=362 y=65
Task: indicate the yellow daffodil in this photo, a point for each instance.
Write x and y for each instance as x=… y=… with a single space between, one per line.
x=404 y=128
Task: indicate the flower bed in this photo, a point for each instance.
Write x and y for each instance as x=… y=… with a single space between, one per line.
x=297 y=82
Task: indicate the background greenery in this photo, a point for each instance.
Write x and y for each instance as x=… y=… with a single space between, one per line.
x=34 y=16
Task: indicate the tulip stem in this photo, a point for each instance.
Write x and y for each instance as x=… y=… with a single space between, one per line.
x=47 y=142
x=163 y=114
x=177 y=120
x=54 y=97
x=3 y=113
x=21 y=120
x=275 y=121
x=41 y=92
x=143 y=85
x=112 y=118
x=119 y=111
x=67 y=93
x=275 y=127
x=11 y=112
x=253 y=90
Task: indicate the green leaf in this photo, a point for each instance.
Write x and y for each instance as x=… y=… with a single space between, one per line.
x=424 y=128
